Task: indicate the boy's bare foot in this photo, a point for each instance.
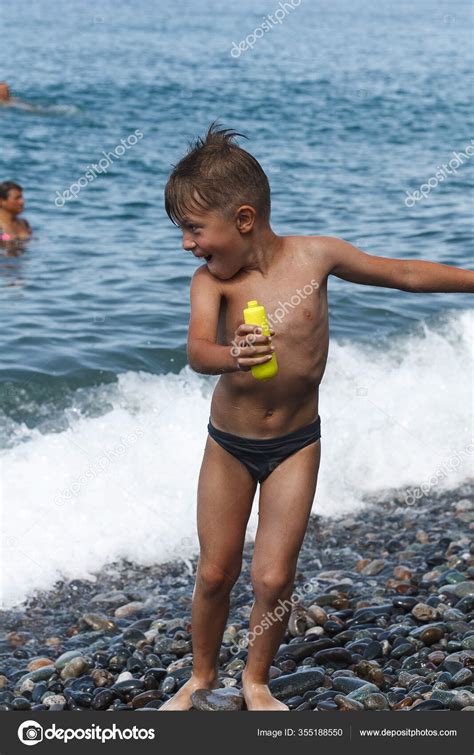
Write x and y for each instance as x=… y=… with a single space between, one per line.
x=182 y=699
x=258 y=696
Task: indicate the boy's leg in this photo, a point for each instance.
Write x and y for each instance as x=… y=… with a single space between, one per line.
x=225 y=494
x=286 y=498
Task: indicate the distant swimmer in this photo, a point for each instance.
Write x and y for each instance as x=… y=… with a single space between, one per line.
x=5 y=95
x=12 y=204
x=6 y=99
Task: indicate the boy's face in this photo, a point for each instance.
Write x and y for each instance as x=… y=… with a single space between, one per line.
x=215 y=238
x=14 y=203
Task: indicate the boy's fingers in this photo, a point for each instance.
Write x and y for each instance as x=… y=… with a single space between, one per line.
x=253 y=349
x=250 y=361
x=244 y=328
x=262 y=339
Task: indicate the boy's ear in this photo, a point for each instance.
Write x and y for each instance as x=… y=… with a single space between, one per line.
x=245 y=218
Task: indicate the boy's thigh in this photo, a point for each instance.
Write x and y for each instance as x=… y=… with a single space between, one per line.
x=286 y=499
x=224 y=502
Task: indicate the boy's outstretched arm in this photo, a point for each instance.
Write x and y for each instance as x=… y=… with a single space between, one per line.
x=350 y=263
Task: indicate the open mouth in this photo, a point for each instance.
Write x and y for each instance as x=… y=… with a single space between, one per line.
x=208 y=258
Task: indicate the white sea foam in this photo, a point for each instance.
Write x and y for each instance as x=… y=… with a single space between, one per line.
x=123 y=485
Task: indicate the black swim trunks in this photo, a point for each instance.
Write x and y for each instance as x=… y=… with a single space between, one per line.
x=262 y=455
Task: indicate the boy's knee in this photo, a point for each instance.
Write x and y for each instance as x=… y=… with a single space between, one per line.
x=272 y=585
x=213 y=578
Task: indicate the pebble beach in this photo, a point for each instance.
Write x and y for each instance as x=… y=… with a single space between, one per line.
x=382 y=619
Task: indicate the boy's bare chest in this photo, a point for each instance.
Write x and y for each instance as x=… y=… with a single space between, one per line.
x=296 y=305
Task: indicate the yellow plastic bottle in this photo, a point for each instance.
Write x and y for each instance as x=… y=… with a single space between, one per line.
x=255 y=314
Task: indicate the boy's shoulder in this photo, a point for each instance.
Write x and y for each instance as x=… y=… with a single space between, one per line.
x=202 y=280
x=202 y=274
x=323 y=249
x=318 y=242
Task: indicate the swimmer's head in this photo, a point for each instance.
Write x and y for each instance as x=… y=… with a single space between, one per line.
x=4 y=92
x=11 y=197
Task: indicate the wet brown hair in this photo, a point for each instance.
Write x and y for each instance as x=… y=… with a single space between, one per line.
x=216 y=174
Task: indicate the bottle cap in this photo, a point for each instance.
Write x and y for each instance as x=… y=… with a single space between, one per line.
x=253 y=303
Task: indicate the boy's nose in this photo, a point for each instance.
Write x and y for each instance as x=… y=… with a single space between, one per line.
x=188 y=245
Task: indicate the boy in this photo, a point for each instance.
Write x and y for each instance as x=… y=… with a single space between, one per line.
x=12 y=204
x=260 y=431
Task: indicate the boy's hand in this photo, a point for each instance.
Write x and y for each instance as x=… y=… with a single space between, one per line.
x=251 y=347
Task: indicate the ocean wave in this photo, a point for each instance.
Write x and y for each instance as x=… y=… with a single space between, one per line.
x=122 y=483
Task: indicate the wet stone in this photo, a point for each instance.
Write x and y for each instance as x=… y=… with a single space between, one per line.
x=430 y=635
x=468 y=642
x=52 y=700
x=304 y=706
x=423 y=612
x=45 y=672
x=459 y=590
x=295 y=684
x=103 y=699
x=38 y=663
x=348 y=684
x=373 y=650
x=129 y=609
x=38 y=692
x=295 y=701
x=403 y=649
x=428 y=705
x=98 y=621
x=346 y=704
x=362 y=692
x=463 y=677
x=227 y=699
x=376 y=701
x=83 y=699
x=20 y=703
x=65 y=658
x=169 y=683
x=333 y=655
x=327 y=705
x=318 y=614
x=454 y=700
x=128 y=689
x=74 y=668
x=299 y=650
x=143 y=698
